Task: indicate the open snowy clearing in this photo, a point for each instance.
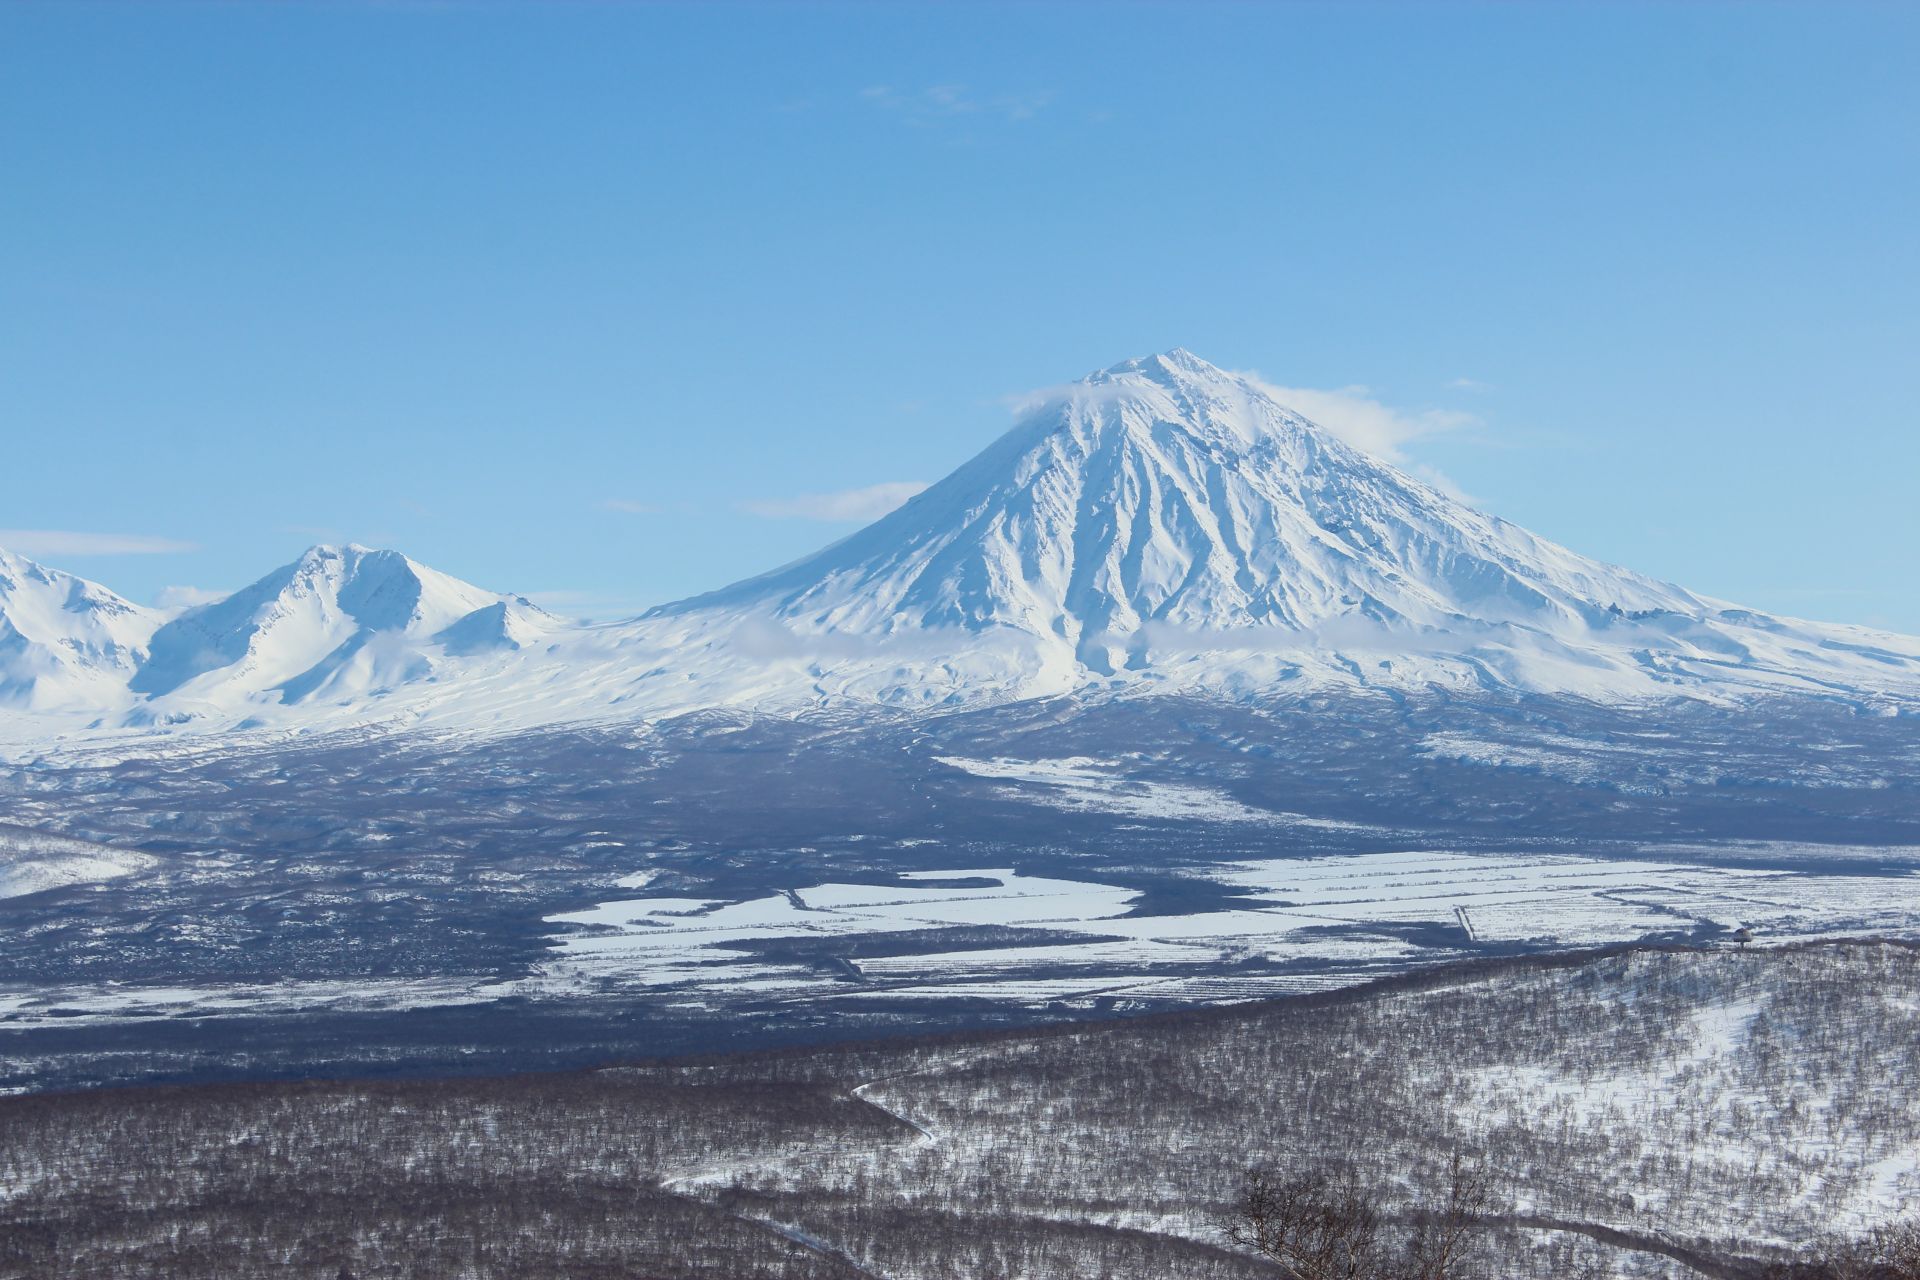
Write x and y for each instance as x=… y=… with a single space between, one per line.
x=1359 y=915
x=32 y=862
x=1086 y=785
x=997 y=935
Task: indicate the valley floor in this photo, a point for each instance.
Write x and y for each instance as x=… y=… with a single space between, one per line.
x=723 y=881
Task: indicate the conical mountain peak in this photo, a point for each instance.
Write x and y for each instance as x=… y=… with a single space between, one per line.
x=1174 y=390
x=1163 y=497
x=1177 y=363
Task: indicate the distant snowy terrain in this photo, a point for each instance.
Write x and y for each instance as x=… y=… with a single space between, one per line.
x=1306 y=924
x=1167 y=697
x=729 y=880
x=1160 y=526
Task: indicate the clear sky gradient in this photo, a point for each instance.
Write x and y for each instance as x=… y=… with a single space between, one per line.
x=617 y=303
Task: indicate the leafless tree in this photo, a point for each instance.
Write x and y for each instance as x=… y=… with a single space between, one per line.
x=1443 y=1236
x=1889 y=1252
x=1317 y=1225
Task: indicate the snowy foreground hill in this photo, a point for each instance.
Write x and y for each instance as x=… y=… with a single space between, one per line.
x=1160 y=526
x=1652 y=1113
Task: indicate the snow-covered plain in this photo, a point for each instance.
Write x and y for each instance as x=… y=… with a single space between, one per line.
x=1085 y=784
x=1364 y=914
x=1303 y=925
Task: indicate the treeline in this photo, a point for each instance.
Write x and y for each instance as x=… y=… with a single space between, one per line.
x=528 y=1176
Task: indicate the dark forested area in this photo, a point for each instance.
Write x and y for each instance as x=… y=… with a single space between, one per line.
x=1647 y=1112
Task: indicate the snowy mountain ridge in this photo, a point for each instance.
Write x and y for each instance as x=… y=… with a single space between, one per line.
x=336 y=622
x=66 y=644
x=1160 y=525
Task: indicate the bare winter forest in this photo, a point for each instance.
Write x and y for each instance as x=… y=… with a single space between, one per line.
x=1647 y=1112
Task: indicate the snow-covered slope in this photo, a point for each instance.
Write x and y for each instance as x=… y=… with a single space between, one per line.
x=66 y=644
x=1166 y=522
x=336 y=625
x=33 y=862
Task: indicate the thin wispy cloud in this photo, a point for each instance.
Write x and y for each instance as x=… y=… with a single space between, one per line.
x=183 y=597
x=1467 y=384
x=70 y=542
x=631 y=508
x=868 y=503
x=1357 y=416
x=953 y=102
x=1352 y=414
x=588 y=605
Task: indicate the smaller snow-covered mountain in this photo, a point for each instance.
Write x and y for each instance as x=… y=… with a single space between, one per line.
x=338 y=623
x=65 y=643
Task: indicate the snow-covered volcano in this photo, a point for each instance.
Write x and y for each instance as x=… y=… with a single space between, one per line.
x=1171 y=520
x=66 y=643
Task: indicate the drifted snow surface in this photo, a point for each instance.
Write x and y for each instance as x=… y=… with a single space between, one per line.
x=1159 y=525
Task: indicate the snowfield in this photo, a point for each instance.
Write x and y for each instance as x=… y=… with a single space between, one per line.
x=1352 y=912
x=31 y=862
x=1089 y=785
x=1303 y=925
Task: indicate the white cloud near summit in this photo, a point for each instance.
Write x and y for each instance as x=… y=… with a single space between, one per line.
x=868 y=503
x=185 y=597
x=1357 y=417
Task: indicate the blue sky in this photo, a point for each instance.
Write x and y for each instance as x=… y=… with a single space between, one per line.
x=617 y=303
